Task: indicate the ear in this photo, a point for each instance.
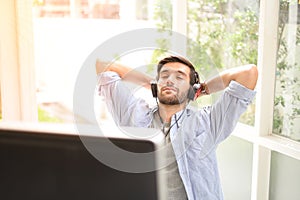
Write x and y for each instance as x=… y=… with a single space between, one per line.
x=201 y=90
x=198 y=94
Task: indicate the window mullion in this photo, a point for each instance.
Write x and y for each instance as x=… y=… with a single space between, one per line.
x=9 y=70
x=26 y=61
x=267 y=53
x=179 y=24
x=17 y=67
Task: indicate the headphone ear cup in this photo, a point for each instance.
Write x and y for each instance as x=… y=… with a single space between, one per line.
x=191 y=93
x=193 y=89
x=197 y=80
x=154 y=89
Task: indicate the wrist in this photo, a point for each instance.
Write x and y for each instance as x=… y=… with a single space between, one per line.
x=204 y=89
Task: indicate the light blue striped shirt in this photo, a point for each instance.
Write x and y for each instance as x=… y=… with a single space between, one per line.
x=196 y=137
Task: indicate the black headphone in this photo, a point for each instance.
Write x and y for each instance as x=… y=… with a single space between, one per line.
x=192 y=90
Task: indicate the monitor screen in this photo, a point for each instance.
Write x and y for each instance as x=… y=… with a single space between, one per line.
x=56 y=166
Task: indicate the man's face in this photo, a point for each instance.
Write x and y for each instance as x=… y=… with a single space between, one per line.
x=173 y=83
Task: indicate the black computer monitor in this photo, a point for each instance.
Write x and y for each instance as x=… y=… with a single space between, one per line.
x=46 y=165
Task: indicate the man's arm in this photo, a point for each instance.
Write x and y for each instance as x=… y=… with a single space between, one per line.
x=126 y=73
x=225 y=113
x=125 y=108
x=245 y=75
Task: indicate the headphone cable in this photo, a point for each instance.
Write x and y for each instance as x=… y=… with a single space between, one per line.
x=176 y=120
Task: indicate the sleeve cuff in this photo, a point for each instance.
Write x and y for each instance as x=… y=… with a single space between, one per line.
x=107 y=78
x=238 y=90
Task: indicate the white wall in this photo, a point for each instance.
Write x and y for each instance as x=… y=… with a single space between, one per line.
x=235 y=165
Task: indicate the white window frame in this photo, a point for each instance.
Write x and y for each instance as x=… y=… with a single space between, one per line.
x=17 y=72
x=19 y=90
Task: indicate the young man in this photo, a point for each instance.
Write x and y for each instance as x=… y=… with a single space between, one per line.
x=194 y=135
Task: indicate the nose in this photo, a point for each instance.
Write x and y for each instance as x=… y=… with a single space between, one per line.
x=166 y=82
x=170 y=81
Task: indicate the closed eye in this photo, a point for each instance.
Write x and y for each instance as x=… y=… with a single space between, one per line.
x=164 y=75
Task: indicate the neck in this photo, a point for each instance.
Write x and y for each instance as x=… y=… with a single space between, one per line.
x=167 y=111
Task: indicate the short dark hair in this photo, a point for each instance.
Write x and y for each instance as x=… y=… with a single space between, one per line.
x=172 y=59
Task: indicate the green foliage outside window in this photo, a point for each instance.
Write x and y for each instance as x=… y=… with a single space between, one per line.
x=44 y=116
x=38 y=2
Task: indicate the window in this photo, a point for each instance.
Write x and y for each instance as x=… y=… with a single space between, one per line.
x=65 y=33
x=286 y=120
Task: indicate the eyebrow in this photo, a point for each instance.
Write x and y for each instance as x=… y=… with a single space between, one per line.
x=178 y=71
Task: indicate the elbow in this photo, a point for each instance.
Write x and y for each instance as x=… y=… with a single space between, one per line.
x=101 y=66
x=247 y=75
x=252 y=71
x=252 y=76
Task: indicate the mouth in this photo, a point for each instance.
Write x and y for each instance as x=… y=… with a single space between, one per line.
x=169 y=89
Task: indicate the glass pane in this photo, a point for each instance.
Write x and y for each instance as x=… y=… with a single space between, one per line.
x=225 y=35
x=65 y=33
x=286 y=121
x=284 y=177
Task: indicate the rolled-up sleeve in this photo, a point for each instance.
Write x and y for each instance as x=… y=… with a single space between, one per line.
x=225 y=113
x=125 y=108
